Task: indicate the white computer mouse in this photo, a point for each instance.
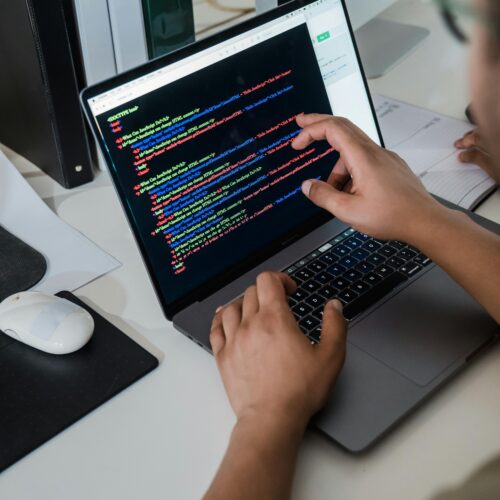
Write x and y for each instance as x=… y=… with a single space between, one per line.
x=46 y=322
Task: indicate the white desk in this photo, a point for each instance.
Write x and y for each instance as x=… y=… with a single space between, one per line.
x=164 y=437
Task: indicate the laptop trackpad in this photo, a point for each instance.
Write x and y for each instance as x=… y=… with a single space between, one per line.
x=425 y=328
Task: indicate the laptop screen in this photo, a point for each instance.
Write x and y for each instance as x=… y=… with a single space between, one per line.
x=199 y=148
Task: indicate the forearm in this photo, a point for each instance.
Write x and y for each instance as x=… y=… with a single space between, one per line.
x=259 y=462
x=466 y=251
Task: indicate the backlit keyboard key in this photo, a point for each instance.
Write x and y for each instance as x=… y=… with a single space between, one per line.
x=336 y=269
x=348 y=261
x=328 y=258
x=364 y=267
x=314 y=300
x=384 y=271
x=323 y=278
x=302 y=309
x=341 y=250
x=352 y=243
x=360 y=254
x=362 y=236
x=371 y=246
x=422 y=259
x=300 y=294
x=347 y=296
x=340 y=283
x=304 y=274
x=395 y=262
x=328 y=292
x=316 y=266
x=387 y=251
x=309 y=323
x=410 y=269
x=375 y=259
x=352 y=275
x=360 y=287
x=372 y=278
x=311 y=286
x=407 y=254
x=319 y=313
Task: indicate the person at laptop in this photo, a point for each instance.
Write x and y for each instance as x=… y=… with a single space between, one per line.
x=274 y=378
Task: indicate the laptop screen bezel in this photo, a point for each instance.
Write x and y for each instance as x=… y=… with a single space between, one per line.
x=230 y=274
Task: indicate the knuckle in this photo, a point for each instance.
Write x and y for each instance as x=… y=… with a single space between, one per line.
x=214 y=333
x=228 y=310
x=267 y=318
x=245 y=327
x=339 y=203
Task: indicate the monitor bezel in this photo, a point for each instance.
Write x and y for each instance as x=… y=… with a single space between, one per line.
x=216 y=283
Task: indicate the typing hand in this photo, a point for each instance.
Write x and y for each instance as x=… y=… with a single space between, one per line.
x=475 y=151
x=383 y=197
x=268 y=367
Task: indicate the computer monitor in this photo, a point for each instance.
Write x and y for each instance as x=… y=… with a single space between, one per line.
x=382 y=43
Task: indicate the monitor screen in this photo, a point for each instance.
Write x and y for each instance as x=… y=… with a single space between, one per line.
x=200 y=148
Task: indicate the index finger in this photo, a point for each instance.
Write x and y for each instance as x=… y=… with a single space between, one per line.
x=305 y=120
x=342 y=135
x=273 y=288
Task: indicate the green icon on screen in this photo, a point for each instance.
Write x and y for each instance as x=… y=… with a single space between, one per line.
x=323 y=36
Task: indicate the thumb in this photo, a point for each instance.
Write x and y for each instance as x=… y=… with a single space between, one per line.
x=326 y=196
x=334 y=333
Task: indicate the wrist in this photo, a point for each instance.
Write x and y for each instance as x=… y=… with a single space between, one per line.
x=271 y=425
x=432 y=224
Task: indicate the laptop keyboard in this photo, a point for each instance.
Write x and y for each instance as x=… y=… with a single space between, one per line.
x=354 y=268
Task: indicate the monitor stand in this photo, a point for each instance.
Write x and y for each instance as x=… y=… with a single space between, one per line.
x=383 y=44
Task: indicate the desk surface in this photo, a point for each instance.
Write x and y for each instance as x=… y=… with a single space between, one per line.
x=164 y=437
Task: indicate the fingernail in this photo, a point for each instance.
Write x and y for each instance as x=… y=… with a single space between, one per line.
x=218 y=309
x=337 y=304
x=306 y=187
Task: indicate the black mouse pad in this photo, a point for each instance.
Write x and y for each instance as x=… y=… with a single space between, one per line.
x=42 y=394
x=21 y=266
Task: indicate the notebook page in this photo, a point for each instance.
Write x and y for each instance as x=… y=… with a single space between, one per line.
x=424 y=139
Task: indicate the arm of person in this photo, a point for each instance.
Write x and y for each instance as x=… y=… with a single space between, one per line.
x=385 y=199
x=275 y=380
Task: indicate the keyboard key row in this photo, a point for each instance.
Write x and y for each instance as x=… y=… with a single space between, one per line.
x=356 y=269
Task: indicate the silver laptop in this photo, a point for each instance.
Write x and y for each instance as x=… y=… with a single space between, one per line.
x=198 y=147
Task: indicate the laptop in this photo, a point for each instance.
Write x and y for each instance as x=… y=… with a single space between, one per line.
x=198 y=146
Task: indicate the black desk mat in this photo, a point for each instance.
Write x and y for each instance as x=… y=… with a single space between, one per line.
x=42 y=394
x=21 y=266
